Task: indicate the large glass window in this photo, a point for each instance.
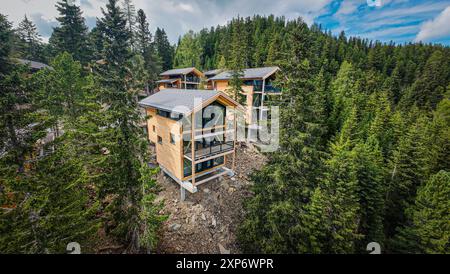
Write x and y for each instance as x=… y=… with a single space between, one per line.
x=257 y=99
x=187 y=165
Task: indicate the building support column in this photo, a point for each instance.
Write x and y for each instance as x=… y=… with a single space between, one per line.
x=183 y=193
x=193 y=147
x=233 y=166
x=262 y=99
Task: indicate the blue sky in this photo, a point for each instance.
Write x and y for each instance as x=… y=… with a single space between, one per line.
x=397 y=20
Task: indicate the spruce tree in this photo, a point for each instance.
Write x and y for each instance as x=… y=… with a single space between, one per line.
x=5 y=44
x=275 y=215
x=145 y=46
x=30 y=40
x=188 y=51
x=124 y=160
x=72 y=33
x=130 y=16
x=427 y=229
x=163 y=49
x=429 y=88
x=236 y=64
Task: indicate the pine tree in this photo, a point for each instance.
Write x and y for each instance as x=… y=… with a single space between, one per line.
x=371 y=190
x=72 y=33
x=275 y=52
x=344 y=91
x=274 y=221
x=188 y=51
x=123 y=162
x=408 y=169
x=341 y=186
x=130 y=15
x=5 y=44
x=236 y=64
x=30 y=40
x=146 y=48
x=428 y=229
x=52 y=206
x=163 y=49
x=222 y=64
x=430 y=87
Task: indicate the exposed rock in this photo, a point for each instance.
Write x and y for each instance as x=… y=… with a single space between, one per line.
x=210 y=216
x=222 y=249
x=174 y=227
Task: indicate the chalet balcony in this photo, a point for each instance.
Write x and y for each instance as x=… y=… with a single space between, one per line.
x=191 y=79
x=214 y=149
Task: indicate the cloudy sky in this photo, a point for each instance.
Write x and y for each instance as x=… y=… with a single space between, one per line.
x=385 y=20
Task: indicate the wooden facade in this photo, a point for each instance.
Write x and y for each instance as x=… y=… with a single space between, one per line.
x=185 y=78
x=257 y=87
x=193 y=163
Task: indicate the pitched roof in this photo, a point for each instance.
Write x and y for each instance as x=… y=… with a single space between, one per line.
x=167 y=80
x=251 y=73
x=182 y=71
x=33 y=64
x=180 y=100
x=212 y=72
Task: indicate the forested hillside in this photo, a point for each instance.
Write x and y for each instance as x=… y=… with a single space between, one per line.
x=364 y=138
x=364 y=135
x=73 y=163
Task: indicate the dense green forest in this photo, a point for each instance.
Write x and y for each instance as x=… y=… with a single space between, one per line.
x=364 y=135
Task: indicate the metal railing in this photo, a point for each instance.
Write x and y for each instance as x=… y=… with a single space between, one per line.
x=210 y=150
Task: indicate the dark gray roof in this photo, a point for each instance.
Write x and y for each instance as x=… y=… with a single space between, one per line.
x=251 y=73
x=212 y=72
x=177 y=71
x=33 y=64
x=178 y=100
x=167 y=80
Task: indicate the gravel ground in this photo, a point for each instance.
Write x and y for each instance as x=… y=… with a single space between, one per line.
x=206 y=221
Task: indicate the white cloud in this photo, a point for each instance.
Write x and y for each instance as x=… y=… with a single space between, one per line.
x=348 y=6
x=439 y=27
x=179 y=16
x=185 y=7
x=391 y=32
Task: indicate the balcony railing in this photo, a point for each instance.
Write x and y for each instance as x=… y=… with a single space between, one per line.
x=270 y=88
x=209 y=151
x=191 y=79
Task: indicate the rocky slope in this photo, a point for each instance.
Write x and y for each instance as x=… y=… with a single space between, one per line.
x=206 y=221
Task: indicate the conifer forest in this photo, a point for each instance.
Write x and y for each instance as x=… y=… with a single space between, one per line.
x=364 y=138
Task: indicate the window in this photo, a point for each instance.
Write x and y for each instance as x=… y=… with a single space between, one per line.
x=199 y=167
x=187 y=167
x=172 y=138
x=168 y=114
x=218 y=161
x=154 y=128
x=159 y=140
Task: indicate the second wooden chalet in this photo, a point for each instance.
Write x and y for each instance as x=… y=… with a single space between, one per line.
x=257 y=84
x=183 y=78
x=176 y=117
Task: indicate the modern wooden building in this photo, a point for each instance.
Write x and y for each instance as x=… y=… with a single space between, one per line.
x=183 y=78
x=257 y=86
x=178 y=116
x=209 y=74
